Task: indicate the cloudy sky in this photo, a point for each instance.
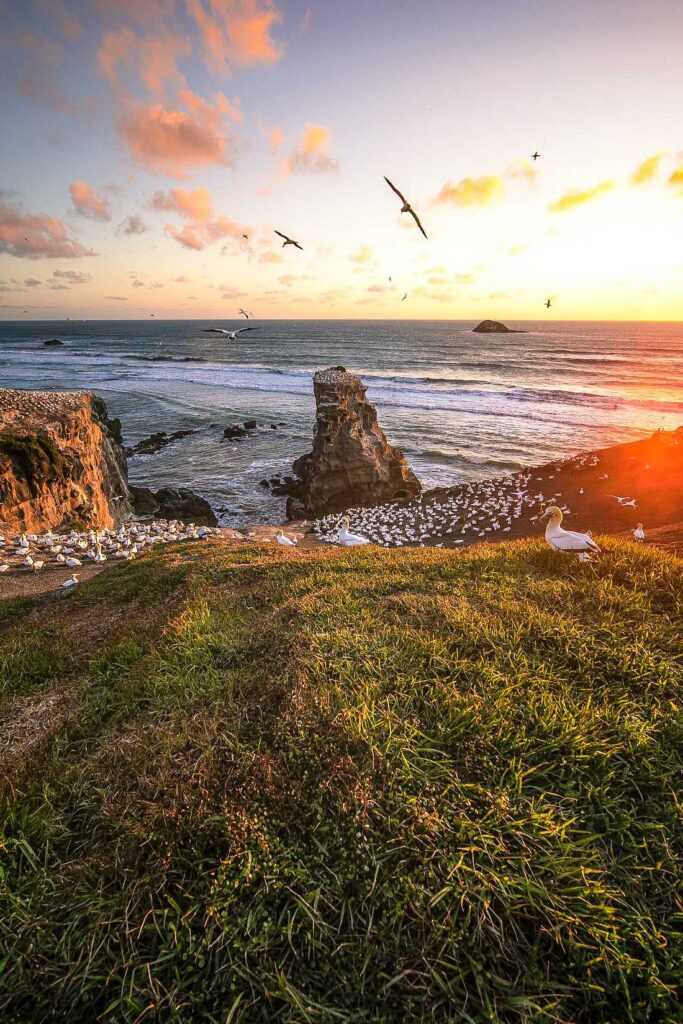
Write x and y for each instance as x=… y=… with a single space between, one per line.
x=144 y=139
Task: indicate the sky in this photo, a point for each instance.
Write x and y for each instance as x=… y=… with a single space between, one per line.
x=151 y=148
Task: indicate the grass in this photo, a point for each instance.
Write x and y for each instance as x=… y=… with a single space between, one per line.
x=352 y=786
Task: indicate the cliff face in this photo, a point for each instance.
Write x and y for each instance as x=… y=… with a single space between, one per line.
x=352 y=463
x=61 y=462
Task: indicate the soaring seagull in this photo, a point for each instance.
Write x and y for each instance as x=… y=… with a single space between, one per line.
x=548 y=303
x=288 y=240
x=535 y=156
x=406 y=208
x=243 y=312
x=229 y=334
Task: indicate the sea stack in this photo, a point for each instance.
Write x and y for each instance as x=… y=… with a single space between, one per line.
x=61 y=462
x=352 y=463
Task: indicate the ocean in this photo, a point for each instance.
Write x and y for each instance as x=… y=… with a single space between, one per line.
x=461 y=406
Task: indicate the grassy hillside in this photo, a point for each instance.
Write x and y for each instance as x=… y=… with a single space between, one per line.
x=253 y=785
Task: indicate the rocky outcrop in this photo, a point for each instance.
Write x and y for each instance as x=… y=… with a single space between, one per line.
x=61 y=462
x=173 y=503
x=494 y=327
x=352 y=463
x=54 y=343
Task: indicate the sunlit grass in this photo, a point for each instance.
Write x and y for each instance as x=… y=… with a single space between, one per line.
x=351 y=786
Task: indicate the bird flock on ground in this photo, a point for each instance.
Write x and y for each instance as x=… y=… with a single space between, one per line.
x=34 y=552
x=479 y=510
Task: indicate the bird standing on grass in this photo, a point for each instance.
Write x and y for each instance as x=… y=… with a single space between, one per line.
x=283 y=539
x=639 y=533
x=348 y=539
x=567 y=540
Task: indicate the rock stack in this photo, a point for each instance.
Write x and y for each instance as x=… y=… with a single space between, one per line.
x=352 y=463
x=61 y=462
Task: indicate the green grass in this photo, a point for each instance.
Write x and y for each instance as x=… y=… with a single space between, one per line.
x=349 y=787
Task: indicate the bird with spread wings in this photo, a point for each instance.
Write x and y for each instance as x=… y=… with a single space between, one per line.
x=406 y=208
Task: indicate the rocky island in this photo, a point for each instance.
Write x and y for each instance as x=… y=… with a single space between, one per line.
x=494 y=327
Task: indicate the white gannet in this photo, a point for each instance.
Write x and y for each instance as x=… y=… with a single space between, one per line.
x=4 y=567
x=348 y=539
x=70 y=582
x=639 y=532
x=282 y=539
x=73 y=562
x=565 y=540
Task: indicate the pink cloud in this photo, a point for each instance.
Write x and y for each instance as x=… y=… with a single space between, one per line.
x=88 y=203
x=311 y=153
x=154 y=59
x=193 y=205
x=189 y=236
x=236 y=32
x=36 y=236
x=173 y=142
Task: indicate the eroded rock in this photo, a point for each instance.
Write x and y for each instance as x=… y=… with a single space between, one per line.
x=352 y=463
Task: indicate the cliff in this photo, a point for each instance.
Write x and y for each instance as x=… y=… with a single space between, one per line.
x=61 y=462
x=352 y=463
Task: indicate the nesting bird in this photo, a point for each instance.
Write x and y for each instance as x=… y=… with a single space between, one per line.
x=567 y=540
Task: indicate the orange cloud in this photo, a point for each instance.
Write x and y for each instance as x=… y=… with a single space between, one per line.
x=646 y=171
x=676 y=179
x=172 y=141
x=236 y=32
x=471 y=191
x=88 y=203
x=72 y=276
x=311 y=154
x=277 y=138
x=362 y=255
x=576 y=197
x=195 y=205
x=154 y=59
x=36 y=236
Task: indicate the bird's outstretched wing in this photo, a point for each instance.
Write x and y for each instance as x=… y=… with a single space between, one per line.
x=297 y=245
x=417 y=221
x=281 y=235
x=394 y=189
x=243 y=329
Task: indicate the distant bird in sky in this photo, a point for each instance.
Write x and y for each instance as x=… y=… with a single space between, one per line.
x=548 y=303
x=404 y=297
x=243 y=312
x=229 y=334
x=406 y=208
x=246 y=237
x=288 y=240
x=535 y=156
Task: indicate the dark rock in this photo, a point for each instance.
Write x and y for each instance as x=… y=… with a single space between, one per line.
x=250 y=424
x=182 y=503
x=155 y=442
x=494 y=327
x=264 y=483
x=144 y=500
x=352 y=463
x=232 y=433
x=273 y=426
x=275 y=480
x=54 y=343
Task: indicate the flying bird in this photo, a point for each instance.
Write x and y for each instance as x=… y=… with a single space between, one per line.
x=232 y=335
x=244 y=313
x=404 y=297
x=288 y=240
x=535 y=156
x=406 y=208
x=548 y=303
